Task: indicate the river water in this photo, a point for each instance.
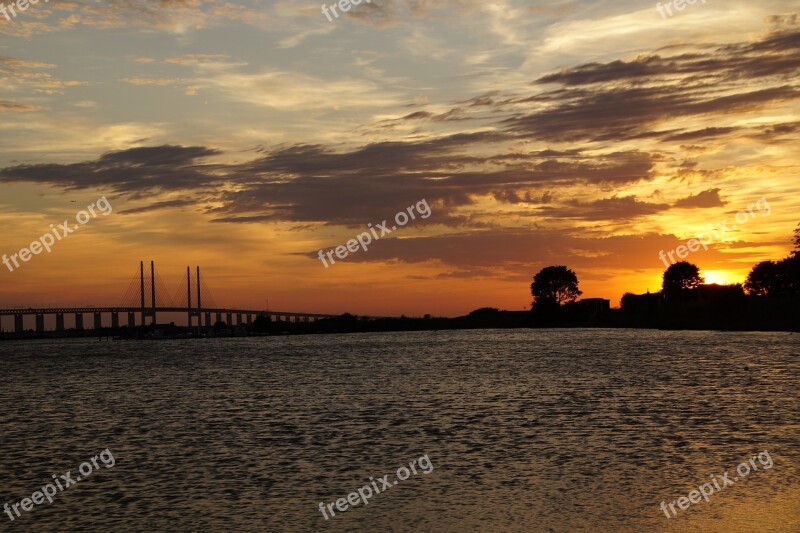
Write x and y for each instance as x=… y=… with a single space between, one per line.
x=523 y=430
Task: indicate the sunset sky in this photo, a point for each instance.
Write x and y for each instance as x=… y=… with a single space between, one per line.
x=245 y=137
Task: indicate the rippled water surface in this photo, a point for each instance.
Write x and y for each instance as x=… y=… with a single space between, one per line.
x=558 y=430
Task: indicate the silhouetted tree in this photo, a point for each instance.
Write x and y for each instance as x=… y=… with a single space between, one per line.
x=680 y=277
x=554 y=285
x=767 y=278
x=790 y=268
x=797 y=240
x=777 y=278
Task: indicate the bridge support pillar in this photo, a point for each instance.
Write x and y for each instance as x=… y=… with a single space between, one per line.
x=238 y=319
x=208 y=320
x=219 y=318
x=39 y=323
x=78 y=320
x=249 y=320
x=229 y=322
x=115 y=320
x=98 y=321
x=59 y=321
x=19 y=325
x=132 y=320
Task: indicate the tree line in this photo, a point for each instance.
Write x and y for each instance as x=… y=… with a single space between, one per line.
x=554 y=287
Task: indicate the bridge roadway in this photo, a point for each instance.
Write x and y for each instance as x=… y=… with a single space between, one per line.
x=97 y=313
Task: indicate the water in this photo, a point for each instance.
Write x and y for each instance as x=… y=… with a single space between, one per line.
x=551 y=431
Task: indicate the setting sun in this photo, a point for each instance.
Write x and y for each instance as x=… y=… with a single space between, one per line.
x=718 y=277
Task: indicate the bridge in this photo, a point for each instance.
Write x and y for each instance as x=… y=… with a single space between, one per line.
x=137 y=303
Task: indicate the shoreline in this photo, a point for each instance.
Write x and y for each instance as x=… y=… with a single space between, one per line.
x=352 y=324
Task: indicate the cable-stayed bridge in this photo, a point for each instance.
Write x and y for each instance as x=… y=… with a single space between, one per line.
x=146 y=297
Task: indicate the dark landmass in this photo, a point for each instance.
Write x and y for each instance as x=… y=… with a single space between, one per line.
x=709 y=307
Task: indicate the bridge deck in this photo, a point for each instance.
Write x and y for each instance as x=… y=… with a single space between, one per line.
x=88 y=310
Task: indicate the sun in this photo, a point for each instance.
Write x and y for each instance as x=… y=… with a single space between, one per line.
x=718 y=277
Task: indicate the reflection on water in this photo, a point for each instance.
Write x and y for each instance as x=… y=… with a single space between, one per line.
x=559 y=430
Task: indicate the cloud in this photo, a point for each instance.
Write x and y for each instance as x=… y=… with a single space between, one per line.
x=177 y=17
x=709 y=198
x=705 y=133
x=137 y=80
x=513 y=253
x=157 y=206
x=615 y=208
x=291 y=91
x=630 y=99
x=195 y=59
x=776 y=54
x=519 y=153
x=160 y=168
x=8 y=105
x=18 y=75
